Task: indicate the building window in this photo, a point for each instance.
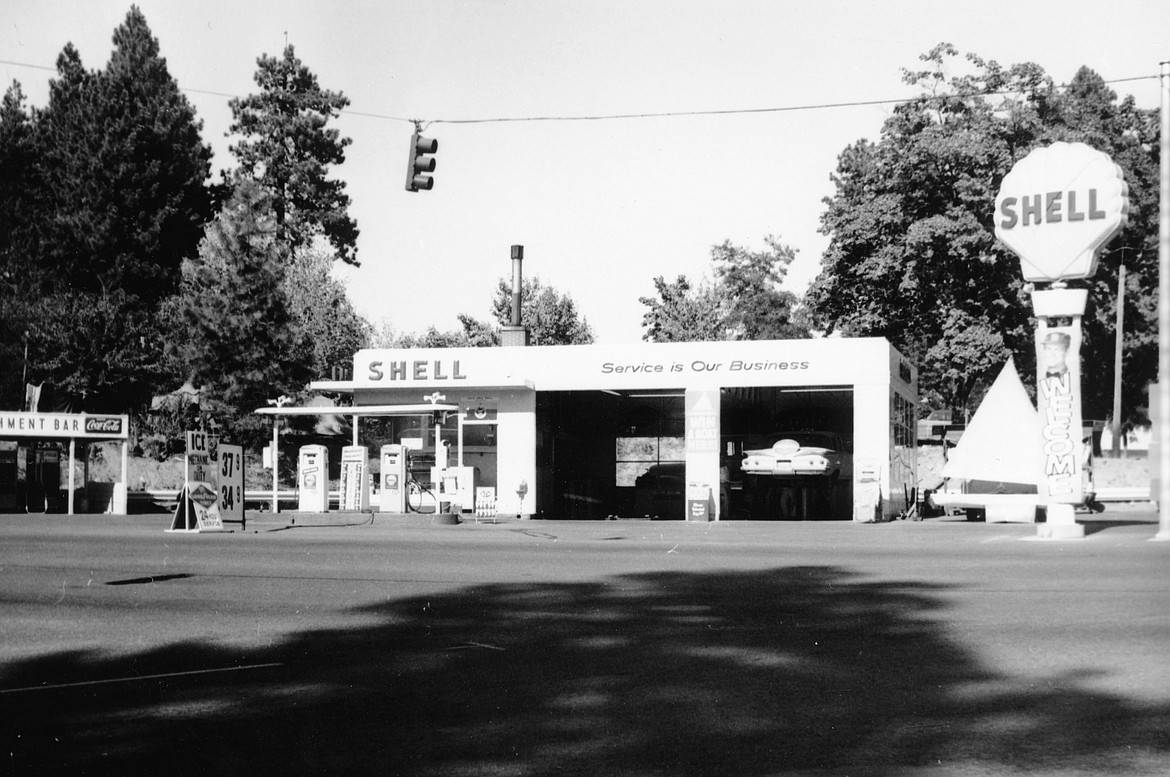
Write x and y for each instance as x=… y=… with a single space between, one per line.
x=636 y=455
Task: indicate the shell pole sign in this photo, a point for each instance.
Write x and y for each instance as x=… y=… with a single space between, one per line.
x=1058 y=207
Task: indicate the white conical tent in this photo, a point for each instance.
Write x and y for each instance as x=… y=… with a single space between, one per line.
x=1002 y=441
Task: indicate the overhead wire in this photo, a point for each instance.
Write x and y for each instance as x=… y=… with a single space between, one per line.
x=738 y=111
x=631 y=116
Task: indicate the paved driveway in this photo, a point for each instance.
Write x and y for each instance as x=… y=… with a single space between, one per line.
x=353 y=645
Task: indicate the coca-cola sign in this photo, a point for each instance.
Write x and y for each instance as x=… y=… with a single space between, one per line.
x=63 y=425
x=103 y=425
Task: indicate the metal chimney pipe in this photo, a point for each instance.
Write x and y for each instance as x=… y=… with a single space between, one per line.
x=517 y=281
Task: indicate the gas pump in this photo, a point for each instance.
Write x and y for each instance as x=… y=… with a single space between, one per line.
x=455 y=487
x=313 y=479
x=395 y=474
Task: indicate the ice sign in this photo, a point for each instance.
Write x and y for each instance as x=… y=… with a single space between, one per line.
x=1058 y=207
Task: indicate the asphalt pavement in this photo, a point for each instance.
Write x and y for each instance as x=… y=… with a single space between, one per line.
x=360 y=644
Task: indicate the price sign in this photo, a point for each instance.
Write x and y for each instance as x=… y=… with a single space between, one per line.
x=231 y=482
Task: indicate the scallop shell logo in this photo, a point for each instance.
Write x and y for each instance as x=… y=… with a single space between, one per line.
x=1058 y=207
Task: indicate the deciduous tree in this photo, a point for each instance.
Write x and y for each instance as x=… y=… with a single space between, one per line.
x=745 y=301
x=319 y=305
x=683 y=312
x=913 y=255
x=94 y=351
x=238 y=341
x=550 y=316
x=755 y=305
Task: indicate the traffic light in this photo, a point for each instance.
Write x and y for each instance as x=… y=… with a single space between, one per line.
x=418 y=163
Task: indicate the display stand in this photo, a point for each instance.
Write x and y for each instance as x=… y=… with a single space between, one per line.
x=198 y=508
x=197 y=511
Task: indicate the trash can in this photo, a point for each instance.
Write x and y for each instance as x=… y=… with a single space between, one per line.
x=867 y=496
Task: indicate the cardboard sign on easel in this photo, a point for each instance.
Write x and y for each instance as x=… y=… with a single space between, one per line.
x=198 y=508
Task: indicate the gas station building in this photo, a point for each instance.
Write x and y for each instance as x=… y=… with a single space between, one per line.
x=597 y=431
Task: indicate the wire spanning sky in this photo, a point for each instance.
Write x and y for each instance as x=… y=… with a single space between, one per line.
x=709 y=120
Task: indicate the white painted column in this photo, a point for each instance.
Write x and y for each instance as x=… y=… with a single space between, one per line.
x=72 y=477
x=275 y=464
x=702 y=408
x=871 y=452
x=516 y=454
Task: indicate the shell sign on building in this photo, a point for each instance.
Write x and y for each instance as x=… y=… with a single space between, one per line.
x=1058 y=207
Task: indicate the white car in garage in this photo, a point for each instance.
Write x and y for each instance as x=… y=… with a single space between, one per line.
x=801 y=455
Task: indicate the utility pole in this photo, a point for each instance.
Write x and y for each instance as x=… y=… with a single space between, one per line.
x=1115 y=428
x=1163 y=430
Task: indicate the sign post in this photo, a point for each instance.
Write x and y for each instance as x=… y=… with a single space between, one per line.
x=1056 y=210
x=1162 y=401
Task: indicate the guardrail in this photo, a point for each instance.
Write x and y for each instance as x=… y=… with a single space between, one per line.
x=254 y=500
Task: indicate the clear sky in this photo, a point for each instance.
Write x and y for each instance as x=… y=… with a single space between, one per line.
x=601 y=206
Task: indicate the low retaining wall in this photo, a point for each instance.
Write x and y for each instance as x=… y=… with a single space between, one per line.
x=1126 y=479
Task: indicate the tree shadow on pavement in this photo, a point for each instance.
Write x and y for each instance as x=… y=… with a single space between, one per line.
x=789 y=671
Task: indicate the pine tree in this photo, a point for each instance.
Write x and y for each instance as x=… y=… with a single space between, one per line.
x=113 y=201
x=287 y=148
x=16 y=171
x=159 y=168
x=125 y=188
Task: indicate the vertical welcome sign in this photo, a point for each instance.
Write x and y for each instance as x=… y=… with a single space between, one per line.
x=1056 y=210
x=1058 y=401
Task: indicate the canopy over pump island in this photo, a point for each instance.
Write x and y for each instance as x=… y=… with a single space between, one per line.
x=704 y=431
